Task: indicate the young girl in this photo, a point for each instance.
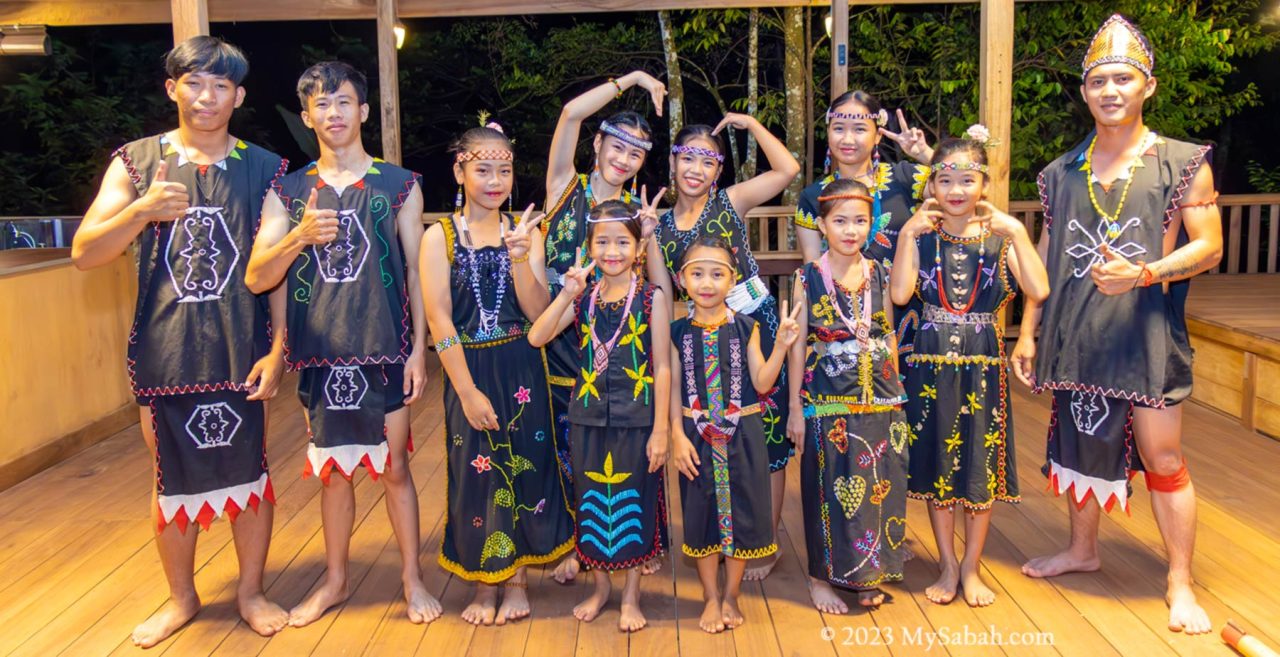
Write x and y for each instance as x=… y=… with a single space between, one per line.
x=506 y=502
x=723 y=373
x=621 y=145
x=956 y=256
x=846 y=410
x=618 y=449
x=697 y=159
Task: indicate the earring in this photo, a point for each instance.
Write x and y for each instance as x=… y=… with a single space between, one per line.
x=633 y=185
x=714 y=187
x=457 y=201
x=826 y=165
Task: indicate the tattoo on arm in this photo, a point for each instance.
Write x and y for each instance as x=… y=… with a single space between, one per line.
x=1179 y=265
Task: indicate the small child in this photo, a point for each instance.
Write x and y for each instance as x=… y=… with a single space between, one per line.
x=846 y=410
x=726 y=501
x=957 y=385
x=618 y=449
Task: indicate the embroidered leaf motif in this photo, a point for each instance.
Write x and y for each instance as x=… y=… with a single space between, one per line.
x=503 y=497
x=498 y=545
x=634 y=331
x=638 y=375
x=609 y=476
x=519 y=464
x=850 y=493
x=588 y=386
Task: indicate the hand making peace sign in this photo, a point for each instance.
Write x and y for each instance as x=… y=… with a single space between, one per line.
x=518 y=240
x=912 y=140
x=649 y=212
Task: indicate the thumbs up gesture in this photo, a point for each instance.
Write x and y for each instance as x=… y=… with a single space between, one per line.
x=317 y=226
x=1115 y=274
x=164 y=200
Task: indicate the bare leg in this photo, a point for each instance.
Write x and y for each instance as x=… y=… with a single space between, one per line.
x=1159 y=433
x=631 y=619
x=733 y=571
x=481 y=609
x=402 y=509
x=515 y=598
x=1081 y=554
x=761 y=568
x=588 y=609
x=337 y=511
x=712 y=619
x=943 y=521
x=252 y=534
x=976 y=525
x=177 y=557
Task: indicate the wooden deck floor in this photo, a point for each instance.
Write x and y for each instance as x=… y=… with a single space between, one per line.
x=78 y=569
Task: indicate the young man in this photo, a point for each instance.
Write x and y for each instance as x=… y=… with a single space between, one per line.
x=356 y=327
x=1129 y=218
x=201 y=355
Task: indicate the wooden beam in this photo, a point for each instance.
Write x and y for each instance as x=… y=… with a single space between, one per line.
x=190 y=18
x=839 y=47
x=389 y=81
x=134 y=12
x=995 y=91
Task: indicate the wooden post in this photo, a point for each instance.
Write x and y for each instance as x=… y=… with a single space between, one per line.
x=995 y=92
x=839 y=47
x=190 y=18
x=389 y=81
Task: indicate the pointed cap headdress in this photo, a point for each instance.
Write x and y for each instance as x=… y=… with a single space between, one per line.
x=1119 y=42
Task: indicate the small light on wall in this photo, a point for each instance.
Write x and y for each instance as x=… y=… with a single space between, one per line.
x=24 y=40
x=400 y=31
x=827 y=22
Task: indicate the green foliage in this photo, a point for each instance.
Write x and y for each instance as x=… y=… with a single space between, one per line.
x=1263 y=180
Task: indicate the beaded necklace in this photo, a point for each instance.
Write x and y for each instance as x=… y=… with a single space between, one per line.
x=1147 y=140
x=860 y=326
x=600 y=352
x=939 y=265
x=488 y=317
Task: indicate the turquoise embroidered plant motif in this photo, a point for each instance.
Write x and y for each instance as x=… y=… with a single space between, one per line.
x=615 y=532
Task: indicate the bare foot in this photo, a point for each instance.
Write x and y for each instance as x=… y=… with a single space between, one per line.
x=422 y=606
x=732 y=615
x=760 y=569
x=871 y=597
x=1059 y=564
x=481 y=610
x=651 y=566
x=263 y=616
x=330 y=593
x=515 y=600
x=976 y=593
x=631 y=619
x=943 y=591
x=825 y=599
x=567 y=570
x=1185 y=614
x=712 y=619
x=173 y=615
x=588 y=609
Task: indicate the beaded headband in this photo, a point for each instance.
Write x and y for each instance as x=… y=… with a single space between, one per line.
x=624 y=136
x=714 y=260
x=958 y=166
x=1118 y=42
x=484 y=154
x=605 y=220
x=847 y=196
x=696 y=150
x=881 y=118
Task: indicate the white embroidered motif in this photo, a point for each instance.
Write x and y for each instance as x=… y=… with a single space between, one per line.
x=1108 y=233
x=1089 y=410
x=341 y=260
x=213 y=425
x=201 y=255
x=345 y=388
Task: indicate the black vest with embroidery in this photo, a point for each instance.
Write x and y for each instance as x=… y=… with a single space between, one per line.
x=197 y=328
x=348 y=302
x=565 y=228
x=718 y=218
x=898 y=187
x=1132 y=345
x=623 y=395
x=731 y=365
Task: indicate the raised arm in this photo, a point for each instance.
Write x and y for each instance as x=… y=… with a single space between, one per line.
x=765 y=371
x=749 y=194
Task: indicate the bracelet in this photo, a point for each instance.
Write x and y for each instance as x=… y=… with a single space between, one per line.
x=1148 y=276
x=447 y=342
x=520 y=260
x=616 y=86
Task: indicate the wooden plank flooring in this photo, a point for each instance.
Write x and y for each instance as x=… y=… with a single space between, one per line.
x=78 y=569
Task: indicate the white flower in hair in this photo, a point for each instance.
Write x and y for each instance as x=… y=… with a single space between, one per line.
x=980 y=134
x=882 y=117
x=493 y=125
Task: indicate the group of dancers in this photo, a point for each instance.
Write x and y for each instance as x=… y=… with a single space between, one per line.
x=572 y=376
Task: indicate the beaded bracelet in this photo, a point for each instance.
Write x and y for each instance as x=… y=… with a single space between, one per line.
x=447 y=342
x=617 y=86
x=520 y=260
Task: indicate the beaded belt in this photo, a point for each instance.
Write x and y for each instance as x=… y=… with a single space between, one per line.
x=939 y=315
x=851 y=347
x=746 y=297
x=750 y=409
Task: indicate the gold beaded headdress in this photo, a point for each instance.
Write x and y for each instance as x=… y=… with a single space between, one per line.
x=1119 y=42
